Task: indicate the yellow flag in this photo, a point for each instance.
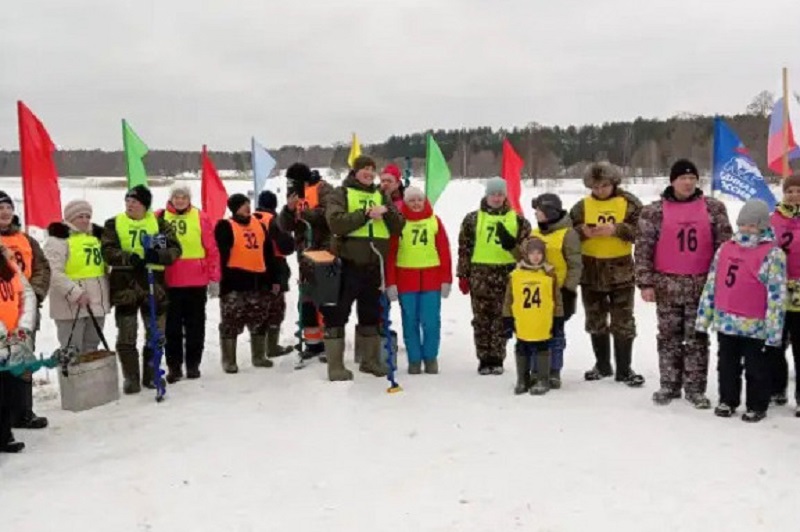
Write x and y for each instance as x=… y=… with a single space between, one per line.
x=355 y=151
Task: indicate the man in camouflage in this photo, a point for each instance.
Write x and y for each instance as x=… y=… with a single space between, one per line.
x=488 y=250
x=606 y=221
x=676 y=242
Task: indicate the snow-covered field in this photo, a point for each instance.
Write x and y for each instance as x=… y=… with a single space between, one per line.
x=285 y=450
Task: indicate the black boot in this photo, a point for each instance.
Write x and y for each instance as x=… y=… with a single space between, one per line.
x=601 y=344
x=623 y=353
x=27 y=419
x=523 y=374
x=12 y=446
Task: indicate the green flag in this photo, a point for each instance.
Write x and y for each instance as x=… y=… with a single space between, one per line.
x=135 y=150
x=437 y=173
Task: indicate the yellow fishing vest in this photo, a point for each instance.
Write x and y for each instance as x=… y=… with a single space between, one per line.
x=85 y=261
x=604 y=212
x=533 y=306
x=190 y=234
x=359 y=201
x=417 y=247
x=555 y=251
x=131 y=234
x=487 y=244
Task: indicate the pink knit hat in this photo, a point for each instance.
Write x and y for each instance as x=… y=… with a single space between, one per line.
x=75 y=208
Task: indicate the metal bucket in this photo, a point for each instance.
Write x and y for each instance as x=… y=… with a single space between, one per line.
x=91 y=381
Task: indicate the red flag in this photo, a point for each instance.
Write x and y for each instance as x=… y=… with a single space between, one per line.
x=214 y=195
x=511 y=171
x=40 y=192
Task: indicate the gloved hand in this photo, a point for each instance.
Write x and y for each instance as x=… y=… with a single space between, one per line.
x=391 y=293
x=463 y=285
x=507 y=240
x=151 y=256
x=569 y=301
x=137 y=263
x=213 y=290
x=446 y=290
x=23 y=336
x=701 y=335
x=508 y=328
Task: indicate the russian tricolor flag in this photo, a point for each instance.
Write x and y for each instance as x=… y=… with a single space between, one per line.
x=776 y=144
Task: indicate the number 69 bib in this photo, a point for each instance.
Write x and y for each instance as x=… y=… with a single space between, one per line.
x=737 y=289
x=685 y=244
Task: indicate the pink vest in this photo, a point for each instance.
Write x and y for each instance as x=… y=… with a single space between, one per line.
x=787 y=231
x=685 y=245
x=738 y=290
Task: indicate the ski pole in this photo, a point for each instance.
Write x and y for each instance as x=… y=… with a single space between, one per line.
x=394 y=387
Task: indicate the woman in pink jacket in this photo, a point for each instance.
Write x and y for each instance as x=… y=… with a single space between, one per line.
x=190 y=281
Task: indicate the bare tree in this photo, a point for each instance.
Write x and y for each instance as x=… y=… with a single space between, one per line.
x=762 y=104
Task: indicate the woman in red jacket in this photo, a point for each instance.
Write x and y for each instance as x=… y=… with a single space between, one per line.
x=419 y=274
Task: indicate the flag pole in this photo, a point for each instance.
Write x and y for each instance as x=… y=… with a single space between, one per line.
x=785 y=168
x=125 y=154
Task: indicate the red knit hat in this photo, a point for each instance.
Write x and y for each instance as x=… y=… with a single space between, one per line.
x=392 y=170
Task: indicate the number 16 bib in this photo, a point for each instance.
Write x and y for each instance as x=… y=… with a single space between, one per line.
x=685 y=245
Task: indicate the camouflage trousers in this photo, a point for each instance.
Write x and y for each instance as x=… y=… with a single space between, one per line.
x=616 y=304
x=244 y=309
x=682 y=355
x=487 y=312
x=277 y=309
x=128 y=330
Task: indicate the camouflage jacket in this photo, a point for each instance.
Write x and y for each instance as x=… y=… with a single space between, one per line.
x=609 y=274
x=571 y=250
x=320 y=233
x=680 y=289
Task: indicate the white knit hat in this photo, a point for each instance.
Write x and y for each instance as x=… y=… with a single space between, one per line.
x=413 y=192
x=75 y=208
x=180 y=189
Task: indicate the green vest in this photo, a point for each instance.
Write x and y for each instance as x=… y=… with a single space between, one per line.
x=84 y=260
x=190 y=234
x=487 y=244
x=417 y=247
x=359 y=201
x=131 y=234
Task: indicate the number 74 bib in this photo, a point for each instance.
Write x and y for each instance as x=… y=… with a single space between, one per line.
x=417 y=246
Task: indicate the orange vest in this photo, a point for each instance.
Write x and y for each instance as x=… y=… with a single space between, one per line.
x=311 y=200
x=266 y=219
x=10 y=302
x=247 y=252
x=19 y=244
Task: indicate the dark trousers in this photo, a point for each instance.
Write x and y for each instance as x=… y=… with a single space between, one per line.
x=733 y=350
x=186 y=322
x=779 y=374
x=7 y=407
x=360 y=284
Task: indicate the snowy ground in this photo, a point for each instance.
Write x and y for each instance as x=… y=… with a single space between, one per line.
x=284 y=450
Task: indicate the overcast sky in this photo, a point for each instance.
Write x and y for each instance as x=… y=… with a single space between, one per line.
x=187 y=72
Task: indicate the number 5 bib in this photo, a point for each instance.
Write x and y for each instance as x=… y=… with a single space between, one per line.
x=737 y=289
x=685 y=245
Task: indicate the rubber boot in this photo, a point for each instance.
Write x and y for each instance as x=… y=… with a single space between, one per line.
x=174 y=374
x=274 y=349
x=623 y=353
x=227 y=348
x=130 y=373
x=370 y=347
x=601 y=344
x=542 y=385
x=258 y=351
x=431 y=366
x=334 y=348
x=523 y=374
x=415 y=368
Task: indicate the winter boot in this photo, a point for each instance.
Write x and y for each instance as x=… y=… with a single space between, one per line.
x=130 y=372
x=12 y=447
x=227 y=347
x=26 y=418
x=724 y=410
x=334 y=348
x=542 y=385
x=368 y=343
x=623 y=354
x=414 y=368
x=601 y=344
x=699 y=400
x=555 y=379
x=779 y=399
x=431 y=366
x=274 y=349
x=523 y=374
x=258 y=351
x=174 y=375
x=192 y=373
x=664 y=396
x=753 y=416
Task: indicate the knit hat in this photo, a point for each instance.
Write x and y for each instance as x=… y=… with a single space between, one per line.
x=180 y=189
x=754 y=212
x=496 y=185
x=549 y=204
x=533 y=244
x=791 y=181
x=141 y=194
x=298 y=172
x=413 y=192
x=393 y=170
x=5 y=198
x=75 y=208
x=361 y=162
x=267 y=201
x=599 y=172
x=683 y=167
x=235 y=202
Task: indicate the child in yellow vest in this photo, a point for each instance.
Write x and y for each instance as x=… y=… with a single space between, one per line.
x=531 y=304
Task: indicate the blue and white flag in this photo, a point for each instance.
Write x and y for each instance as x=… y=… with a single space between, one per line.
x=263 y=164
x=735 y=173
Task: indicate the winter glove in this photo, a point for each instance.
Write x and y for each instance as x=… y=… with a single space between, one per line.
x=507 y=241
x=151 y=256
x=391 y=293
x=508 y=328
x=569 y=302
x=463 y=285
x=136 y=262
x=213 y=290
x=701 y=336
x=446 y=290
